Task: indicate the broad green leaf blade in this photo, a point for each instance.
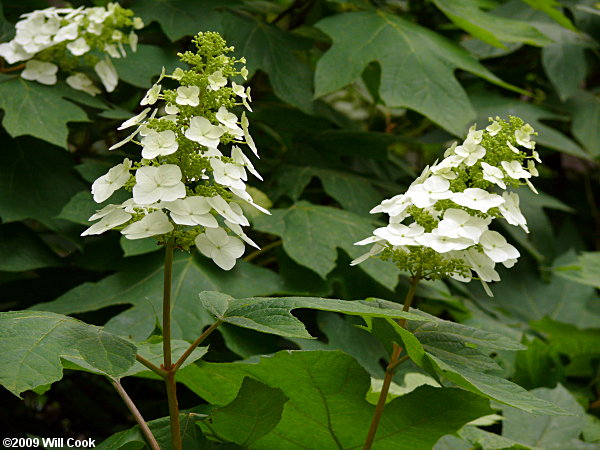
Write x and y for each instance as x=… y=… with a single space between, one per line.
x=329 y=387
x=490 y=105
x=141 y=286
x=133 y=439
x=444 y=329
x=255 y=412
x=32 y=344
x=586 y=114
x=565 y=65
x=538 y=366
x=547 y=432
x=274 y=51
x=586 y=270
x=494 y=388
x=37 y=110
x=417 y=72
x=495 y=30
x=21 y=249
x=139 y=68
x=553 y=9
x=36 y=181
x=311 y=235
x=272 y=315
x=491 y=441
x=179 y=18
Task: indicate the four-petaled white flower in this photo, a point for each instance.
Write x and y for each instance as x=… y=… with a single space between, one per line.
x=471 y=151
x=188 y=95
x=515 y=170
x=227 y=174
x=110 y=182
x=152 y=95
x=154 y=224
x=239 y=157
x=40 y=71
x=523 y=136
x=430 y=191
x=82 y=82
x=154 y=183
x=493 y=175
x=192 y=211
x=204 y=132
x=399 y=234
x=217 y=81
x=111 y=217
x=247 y=136
x=443 y=244
x=78 y=47
x=134 y=120
x=226 y=210
x=478 y=199
x=494 y=128
x=496 y=248
x=229 y=121
x=223 y=249
x=107 y=73
x=67 y=33
x=511 y=212
x=157 y=143
x=460 y=224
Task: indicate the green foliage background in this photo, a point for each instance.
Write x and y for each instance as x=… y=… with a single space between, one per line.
x=351 y=100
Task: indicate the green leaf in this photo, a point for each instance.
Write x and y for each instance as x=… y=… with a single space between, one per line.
x=141 y=285
x=490 y=105
x=272 y=315
x=251 y=415
x=329 y=387
x=139 y=68
x=547 y=432
x=179 y=18
x=490 y=28
x=302 y=229
x=138 y=246
x=490 y=441
x=31 y=108
x=36 y=180
x=133 y=439
x=416 y=72
x=537 y=366
x=586 y=270
x=21 y=249
x=493 y=387
x=586 y=114
x=565 y=65
x=274 y=51
x=32 y=344
x=552 y=9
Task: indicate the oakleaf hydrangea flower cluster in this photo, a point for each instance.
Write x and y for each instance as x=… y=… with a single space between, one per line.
x=70 y=39
x=440 y=226
x=185 y=189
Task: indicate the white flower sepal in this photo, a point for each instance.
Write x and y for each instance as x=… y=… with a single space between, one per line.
x=400 y=234
x=154 y=224
x=152 y=95
x=443 y=244
x=82 y=82
x=78 y=47
x=107 y=73
x=229 y=121
x=40 y=71
x=158 y=183
x=493 y=175
x=157 y=143
x=227 y=174
x=192 y=211
x=227 y=211
x=188 y=95
x=475 y=198
x=223 y=249
x=460 y=224
x=216 y=81
x=430 y=191
x=496 y=248
x=239 y=157
x=113 y=216
x=240 y=233
x=203 y=132
x=134 y=120
x=511 y=212
x=110 y=182
x=247 y=137
x=515 y=170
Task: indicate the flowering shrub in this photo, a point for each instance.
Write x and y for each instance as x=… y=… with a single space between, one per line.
x=70 y=39
x=184 y=182
x=440 y=226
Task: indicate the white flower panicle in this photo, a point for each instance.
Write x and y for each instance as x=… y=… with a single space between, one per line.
x=440 y=226
x=185 y=190
x=65 y=38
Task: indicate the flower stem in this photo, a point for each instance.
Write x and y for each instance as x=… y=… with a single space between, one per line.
x=195 y=344
x=395 y=361
x=150 y=439
x=168 y=366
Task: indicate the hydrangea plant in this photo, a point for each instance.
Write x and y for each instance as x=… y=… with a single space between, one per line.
x=185 y=189
x=440 y=227
x=72 y=40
